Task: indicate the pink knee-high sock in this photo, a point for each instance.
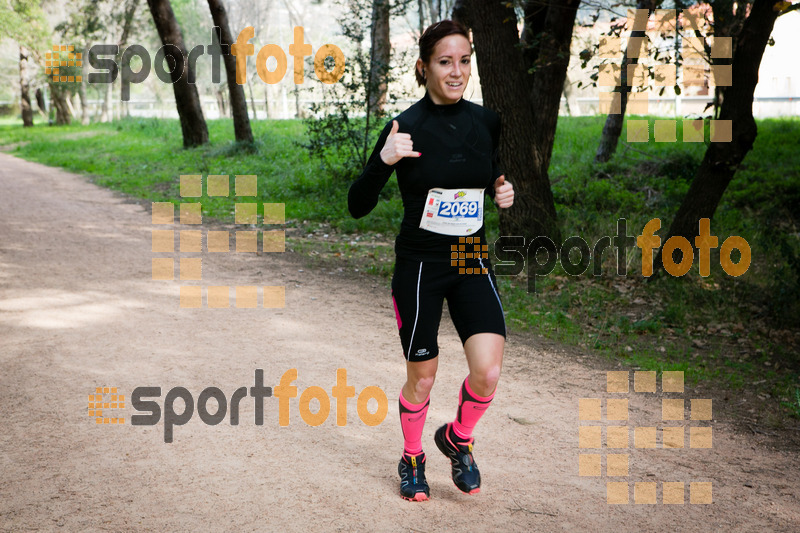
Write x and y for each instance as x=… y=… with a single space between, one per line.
x=470 y=409
x=412 y=420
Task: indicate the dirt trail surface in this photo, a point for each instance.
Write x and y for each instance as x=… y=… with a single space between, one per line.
x=78 y=309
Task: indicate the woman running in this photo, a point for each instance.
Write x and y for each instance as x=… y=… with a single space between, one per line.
x=444 y=150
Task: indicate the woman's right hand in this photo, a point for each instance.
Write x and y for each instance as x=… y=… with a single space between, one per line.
x=397 y=146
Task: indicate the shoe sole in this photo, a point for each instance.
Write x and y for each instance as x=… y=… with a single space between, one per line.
x=440 y=444
x=418 y=497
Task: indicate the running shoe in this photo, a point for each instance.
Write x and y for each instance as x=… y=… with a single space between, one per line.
x=412 y=478
x=465 y=472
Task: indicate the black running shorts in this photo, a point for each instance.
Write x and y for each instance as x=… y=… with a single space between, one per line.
x=419 y=289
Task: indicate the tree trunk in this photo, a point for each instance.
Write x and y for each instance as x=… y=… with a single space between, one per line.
x=84 y=105
x=25 y=87
x=728 y=17
x=40 y=103
x=127 y=22
x=573 y=109
x=121 y=110
x=723 y=158
x=528 y=105
x=551 y=71
x=220 y=95
x=535 y=15
x=187 y=101
x=107 y=107
x=72 y=101
x=59 y=97
x=241 y=121
x=379 y=57
x=127 y=25
x=105 y=115
x=613 y=126
x=252 y=98
x=431 y=12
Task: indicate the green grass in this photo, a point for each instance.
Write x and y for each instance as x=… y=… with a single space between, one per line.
x=145 y=158
x=794 y=404
x=732 y=331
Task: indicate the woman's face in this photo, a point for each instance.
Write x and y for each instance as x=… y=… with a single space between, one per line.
x=447 y=72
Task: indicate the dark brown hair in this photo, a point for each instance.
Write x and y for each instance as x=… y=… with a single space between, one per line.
x=432 y=35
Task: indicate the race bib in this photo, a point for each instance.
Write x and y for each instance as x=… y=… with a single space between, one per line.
x=453 y=211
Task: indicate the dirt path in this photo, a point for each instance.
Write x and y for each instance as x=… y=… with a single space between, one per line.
x=78 y=309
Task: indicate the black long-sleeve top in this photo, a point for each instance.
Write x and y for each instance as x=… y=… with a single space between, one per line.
x=458 y=143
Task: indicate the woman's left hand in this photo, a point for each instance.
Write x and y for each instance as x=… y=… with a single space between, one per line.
x=503 y=192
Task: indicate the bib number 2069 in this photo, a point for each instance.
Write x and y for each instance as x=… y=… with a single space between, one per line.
x=458 y=209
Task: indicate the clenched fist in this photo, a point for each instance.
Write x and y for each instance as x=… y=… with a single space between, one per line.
x=503 y=192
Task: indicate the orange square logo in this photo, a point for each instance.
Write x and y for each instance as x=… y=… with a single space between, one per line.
x=97 y=403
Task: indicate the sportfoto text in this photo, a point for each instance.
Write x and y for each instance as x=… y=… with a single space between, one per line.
x=241 y=49
x=513 y=253
x=284 y=391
